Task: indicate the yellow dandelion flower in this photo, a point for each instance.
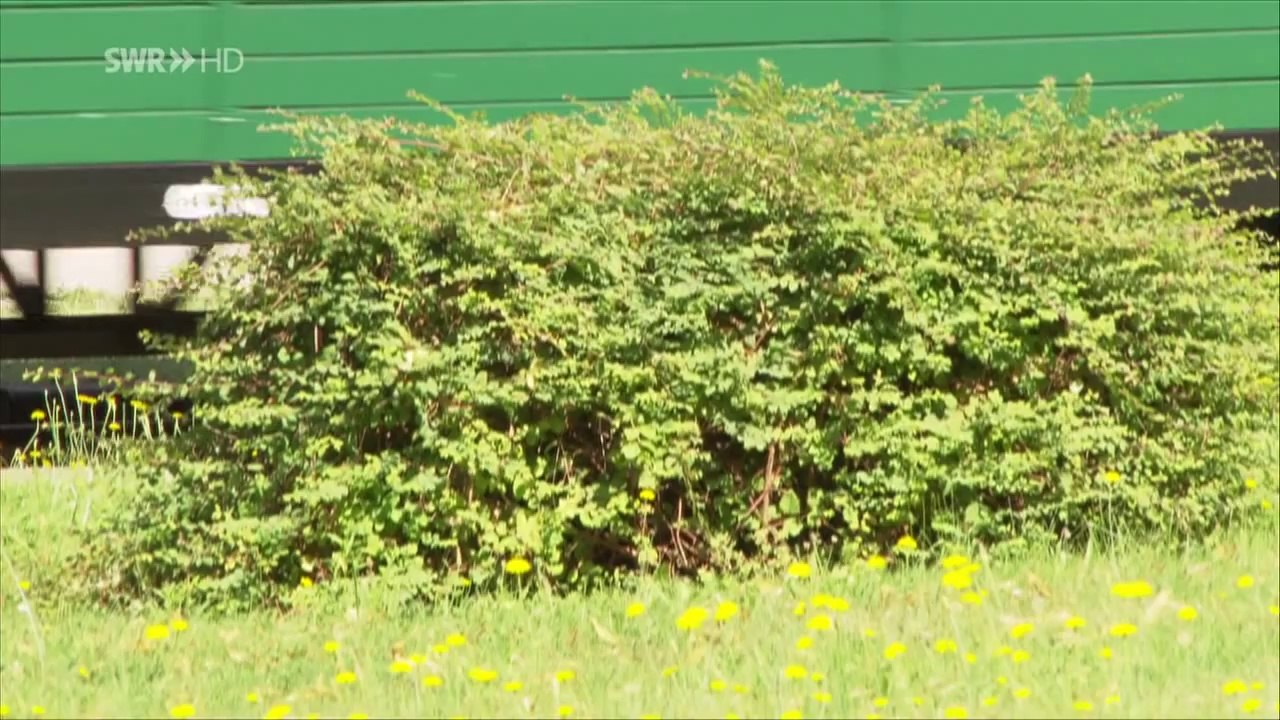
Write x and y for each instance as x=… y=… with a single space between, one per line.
x=564 y=711
x=1105 y=653
x=400 y=667
x=482 y=675
x=799 y=570
x=868 y=633
x=157 y=632
x=345 y=678
x=278 y=712
x=907 y=543
x=1002 y=680
x=955 y=712
x=822 y=697
x=692 y=618
x=1123 y=629
x=331 y=646
x=4 y=711
x=1082 y=706
x=1131 y=590
x=1188 y=613
x=650 y=716
x=798 y=610
x=669 y=671
x=818 y=677
x=113 y=426
x=358 y=716
x=725 y=611
x=732 y=716
x=795 y=672
x=880 y=702
x=1274 y=610
x=1021 y=656
x=741 y=689
x=957 y=580
x=1250 y=484
x=432 y=681
x=820 y=623
x=517 y=566
x=635 y=609
x=1113 y=477
x=38 y=415
x=179 y=625
x=252 y=698
x=305 y=582
x=970 y=658
x=875 y=562
x=513 y=686
x=873 y=716
x=792 y=715
x=38 y=710
x=718 y=686
x=440 y=649
x=648 y=495
x=894 y=650
x=1234 y=687
x=971 y=598
x=1075 y=622
x=1004 y=651
x=951 y=562
x=1251 y=705
x=185 y=710
x=565 y=675
x=1244 y=581
x=1021 y=630
x=1022 y=693
x=804 y=643
x=455 y=640
x=1112 y=700
x=989 y=701
x=945 y=646
x=139 y=405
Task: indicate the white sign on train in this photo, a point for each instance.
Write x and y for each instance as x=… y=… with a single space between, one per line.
x=196 y=202
x=171 y=60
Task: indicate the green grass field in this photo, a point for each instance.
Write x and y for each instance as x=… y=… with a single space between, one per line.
x=1153 y=630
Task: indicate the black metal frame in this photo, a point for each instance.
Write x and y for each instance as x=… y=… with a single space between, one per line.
x=86 y=207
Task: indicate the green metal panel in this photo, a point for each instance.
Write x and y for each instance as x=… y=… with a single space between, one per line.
x=534 y=76
x=84 y=33
x=84 y=86
x=1204 y=57
x=974 y=19
x=300 y=28
x=59 y=106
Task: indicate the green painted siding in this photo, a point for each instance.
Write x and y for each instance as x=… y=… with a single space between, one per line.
x=58 y=105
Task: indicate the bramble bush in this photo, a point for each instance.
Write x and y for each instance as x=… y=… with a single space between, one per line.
x=635 y=338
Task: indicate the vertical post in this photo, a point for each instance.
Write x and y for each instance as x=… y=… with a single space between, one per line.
x=41 y=300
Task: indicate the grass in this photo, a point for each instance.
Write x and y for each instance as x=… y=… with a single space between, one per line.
x=959 y=658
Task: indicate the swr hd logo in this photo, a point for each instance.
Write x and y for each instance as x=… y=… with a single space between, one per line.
x=157 y=60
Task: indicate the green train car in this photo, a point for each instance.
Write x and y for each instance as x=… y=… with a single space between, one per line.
x=106 y=106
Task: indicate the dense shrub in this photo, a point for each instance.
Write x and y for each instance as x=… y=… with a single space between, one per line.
x=806 y=319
